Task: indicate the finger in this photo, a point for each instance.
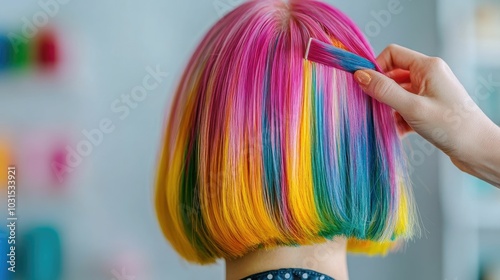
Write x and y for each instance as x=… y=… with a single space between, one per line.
x=402 y=126
x=399 y=75
x=385 y=90
x=407 y=86
x=395 y=56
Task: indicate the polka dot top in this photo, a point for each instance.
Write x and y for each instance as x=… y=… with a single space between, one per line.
x=288 y=274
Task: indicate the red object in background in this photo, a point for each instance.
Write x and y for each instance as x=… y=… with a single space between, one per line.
x=41 y=155
x=58 y=164
x=47 y=50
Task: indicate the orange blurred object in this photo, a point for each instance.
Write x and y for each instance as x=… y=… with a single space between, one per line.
x=5 y=161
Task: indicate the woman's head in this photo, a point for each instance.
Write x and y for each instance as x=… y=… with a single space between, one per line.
x=264 y=148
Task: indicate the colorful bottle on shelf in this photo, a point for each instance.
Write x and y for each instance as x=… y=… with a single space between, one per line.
x=47 y=50
x=5 y=161
x=5 y=52
x=17 y=52
x=5 y=273
x=42 y=251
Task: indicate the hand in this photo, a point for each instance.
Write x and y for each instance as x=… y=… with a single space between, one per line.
x=432 y=102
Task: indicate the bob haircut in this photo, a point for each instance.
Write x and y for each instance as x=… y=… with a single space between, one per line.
x=264 y=148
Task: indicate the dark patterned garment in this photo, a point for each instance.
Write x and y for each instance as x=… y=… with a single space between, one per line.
x=288 y=274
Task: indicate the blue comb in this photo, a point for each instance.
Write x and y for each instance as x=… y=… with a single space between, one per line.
x=332 y=56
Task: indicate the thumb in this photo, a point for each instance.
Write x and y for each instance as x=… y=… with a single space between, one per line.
x=384 y=89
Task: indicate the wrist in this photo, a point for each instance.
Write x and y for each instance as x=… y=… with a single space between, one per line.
x=480 y=155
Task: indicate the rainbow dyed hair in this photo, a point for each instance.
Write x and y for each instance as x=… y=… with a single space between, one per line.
x=264 y=148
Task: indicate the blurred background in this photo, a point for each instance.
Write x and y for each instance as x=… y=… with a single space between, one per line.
x=84 y=89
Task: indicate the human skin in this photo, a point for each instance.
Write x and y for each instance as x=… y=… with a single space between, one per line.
x=431 y=101
x=329 y=258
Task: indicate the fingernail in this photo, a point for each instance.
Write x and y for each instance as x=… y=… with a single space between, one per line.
x=362 y=77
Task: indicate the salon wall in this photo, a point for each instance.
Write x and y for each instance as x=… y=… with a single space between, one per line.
x=103 y=212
